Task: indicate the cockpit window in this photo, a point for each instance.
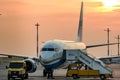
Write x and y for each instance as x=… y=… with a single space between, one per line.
x=48 y=49
x=44 y=49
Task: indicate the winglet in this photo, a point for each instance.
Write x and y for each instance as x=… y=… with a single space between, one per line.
x=80 y=27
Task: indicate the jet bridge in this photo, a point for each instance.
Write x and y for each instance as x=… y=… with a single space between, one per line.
x=95 y=64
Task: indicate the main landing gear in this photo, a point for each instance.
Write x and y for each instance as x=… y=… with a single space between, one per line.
x=48 y=72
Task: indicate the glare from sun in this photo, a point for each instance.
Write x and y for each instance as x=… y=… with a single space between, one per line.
x=110 y=3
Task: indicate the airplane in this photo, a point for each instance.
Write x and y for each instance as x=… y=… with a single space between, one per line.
x=52 y=51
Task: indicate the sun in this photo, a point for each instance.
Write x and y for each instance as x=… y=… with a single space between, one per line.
x=109 y=3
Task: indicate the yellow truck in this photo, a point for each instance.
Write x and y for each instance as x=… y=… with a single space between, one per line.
x=75 y=72
x=17 y=69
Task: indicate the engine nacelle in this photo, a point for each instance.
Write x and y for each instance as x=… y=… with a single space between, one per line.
x=30 y=65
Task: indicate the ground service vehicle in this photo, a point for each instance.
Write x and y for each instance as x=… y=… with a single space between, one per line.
x=75 y=72
x=17 y=69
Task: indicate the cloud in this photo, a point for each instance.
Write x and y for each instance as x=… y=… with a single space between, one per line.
x=12 y=2
x=94 y=4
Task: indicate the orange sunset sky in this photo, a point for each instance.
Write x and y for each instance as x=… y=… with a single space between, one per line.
x=58 y=19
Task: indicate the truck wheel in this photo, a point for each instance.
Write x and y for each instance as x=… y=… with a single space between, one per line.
x=13 y=78
x=26 y=76
x=102 y=77
x=75 y=76
x=22 y=78
x=8 y=78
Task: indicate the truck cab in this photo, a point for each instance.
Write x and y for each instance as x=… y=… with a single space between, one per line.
x=17 y=69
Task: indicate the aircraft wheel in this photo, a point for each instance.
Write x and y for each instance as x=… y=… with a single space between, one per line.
x=44 y=73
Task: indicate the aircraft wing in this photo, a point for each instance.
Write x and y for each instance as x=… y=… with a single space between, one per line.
x=24 y=57
x=111 y=59
x=108 y=59
x=10 y=56
x=98 y=45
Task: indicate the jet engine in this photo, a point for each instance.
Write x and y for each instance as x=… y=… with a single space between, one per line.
x=30 y=65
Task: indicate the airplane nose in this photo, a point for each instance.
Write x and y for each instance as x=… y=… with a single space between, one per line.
x=47 y=55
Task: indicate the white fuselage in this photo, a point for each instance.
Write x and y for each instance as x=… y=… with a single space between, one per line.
x=52 y=52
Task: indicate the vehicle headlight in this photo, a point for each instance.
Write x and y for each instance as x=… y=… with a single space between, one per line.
x=20 y=72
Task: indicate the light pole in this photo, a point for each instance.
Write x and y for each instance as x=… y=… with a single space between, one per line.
x=37 y=38
x=108 y=39
x=118 y=38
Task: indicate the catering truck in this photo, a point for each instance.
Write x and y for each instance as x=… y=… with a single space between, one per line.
x=17 y=69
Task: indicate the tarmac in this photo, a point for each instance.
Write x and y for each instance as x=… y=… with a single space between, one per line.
x=56 y=78
x=58 y=74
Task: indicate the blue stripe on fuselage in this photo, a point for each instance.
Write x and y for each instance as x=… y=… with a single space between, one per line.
x=55 y=65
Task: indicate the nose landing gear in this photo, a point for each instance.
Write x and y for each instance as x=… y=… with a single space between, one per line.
x=48 y=72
